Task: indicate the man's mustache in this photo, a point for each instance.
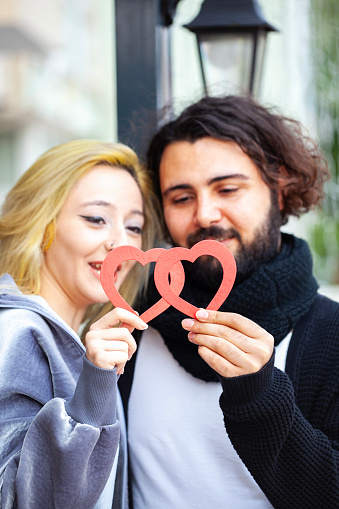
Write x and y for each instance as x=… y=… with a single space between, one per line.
x=212 y=232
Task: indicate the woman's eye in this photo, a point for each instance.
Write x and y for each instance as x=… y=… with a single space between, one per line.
x=94 y=219
x=135 y=229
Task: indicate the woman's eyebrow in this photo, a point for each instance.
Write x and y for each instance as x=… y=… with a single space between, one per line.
x=103 y=203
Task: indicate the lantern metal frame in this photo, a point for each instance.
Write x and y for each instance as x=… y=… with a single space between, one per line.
x=232 y=17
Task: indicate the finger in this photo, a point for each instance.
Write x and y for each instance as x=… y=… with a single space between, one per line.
x=222 y=332
x=231 y=362
x=222 y=366
x=232 y=320
x=108 y=354
x=96 y=339
x=109 y=360
x=258 y=351
x=111 y=346
x=225 y=350
x=116 y=345
x=247 y=362
x=129 y=327
x=248 y=343
x=118 y=316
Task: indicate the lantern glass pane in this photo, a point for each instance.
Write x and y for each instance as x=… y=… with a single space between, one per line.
x=227 y=61
x=260 y=53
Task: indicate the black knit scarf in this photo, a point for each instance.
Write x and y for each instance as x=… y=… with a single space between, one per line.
x=275 y=296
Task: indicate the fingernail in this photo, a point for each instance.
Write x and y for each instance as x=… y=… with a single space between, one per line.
x=201 y=314
x=144 y=325
x=187 y=323
x=191 y=335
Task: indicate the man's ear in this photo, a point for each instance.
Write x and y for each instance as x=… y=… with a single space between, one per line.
x=280 y=199
x=282 y=184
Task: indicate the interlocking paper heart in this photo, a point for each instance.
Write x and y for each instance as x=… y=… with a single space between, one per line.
x=168 y=264
x=123 y=253
x=205 y=247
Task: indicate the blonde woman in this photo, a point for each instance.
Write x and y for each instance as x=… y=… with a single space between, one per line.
x=62 y=435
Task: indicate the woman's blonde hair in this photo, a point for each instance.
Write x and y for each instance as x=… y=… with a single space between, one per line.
x=27 y=224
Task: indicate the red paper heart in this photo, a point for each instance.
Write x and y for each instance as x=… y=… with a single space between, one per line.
x=205 y=247
x=122 y=253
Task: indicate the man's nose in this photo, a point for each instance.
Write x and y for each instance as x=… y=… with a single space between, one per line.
x=207 y=212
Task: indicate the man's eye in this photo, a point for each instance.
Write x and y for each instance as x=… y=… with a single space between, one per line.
x=183 y=199
x=228 y=190
x=94 y=219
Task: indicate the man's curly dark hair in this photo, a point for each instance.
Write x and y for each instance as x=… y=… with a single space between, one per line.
x=287 y=158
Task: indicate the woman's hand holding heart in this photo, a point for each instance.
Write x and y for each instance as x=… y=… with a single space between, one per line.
x=109 y=342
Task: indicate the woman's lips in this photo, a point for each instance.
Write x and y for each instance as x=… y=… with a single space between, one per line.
x=96 y=268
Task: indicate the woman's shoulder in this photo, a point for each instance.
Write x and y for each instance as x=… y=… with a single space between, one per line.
x=20 y=313
x=22 y=332
x=28 y=311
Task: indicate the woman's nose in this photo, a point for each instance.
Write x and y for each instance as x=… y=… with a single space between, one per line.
x=116 y=237
x=109 y=244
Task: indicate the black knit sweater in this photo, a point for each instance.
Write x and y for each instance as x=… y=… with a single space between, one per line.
x=285 y=426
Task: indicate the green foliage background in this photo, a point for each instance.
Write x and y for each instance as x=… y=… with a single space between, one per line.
x=324 y=234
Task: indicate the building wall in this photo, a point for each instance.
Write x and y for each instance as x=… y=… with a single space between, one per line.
x=56 y=78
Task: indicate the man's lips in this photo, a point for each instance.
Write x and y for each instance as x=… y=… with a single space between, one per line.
x=220 y=239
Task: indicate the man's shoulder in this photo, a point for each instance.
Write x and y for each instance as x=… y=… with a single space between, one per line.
x=326 y=309
x=319 y=327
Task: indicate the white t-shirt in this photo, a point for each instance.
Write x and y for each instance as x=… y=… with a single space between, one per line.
x=180 y=453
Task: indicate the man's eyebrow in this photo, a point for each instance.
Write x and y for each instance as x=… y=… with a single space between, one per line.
x=209 y=182
x=175 y=188
x=240 y=176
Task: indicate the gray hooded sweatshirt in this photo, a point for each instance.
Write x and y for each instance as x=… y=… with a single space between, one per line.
x=59 y=430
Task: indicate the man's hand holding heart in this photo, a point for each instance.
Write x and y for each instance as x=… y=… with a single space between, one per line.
x=230 y=343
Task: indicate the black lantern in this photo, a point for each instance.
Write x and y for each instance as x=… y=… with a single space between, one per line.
x=231 y=36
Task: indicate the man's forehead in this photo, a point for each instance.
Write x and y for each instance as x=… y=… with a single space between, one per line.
x=207 y=160
x=174 y=177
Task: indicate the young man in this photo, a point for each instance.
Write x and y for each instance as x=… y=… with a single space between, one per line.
x=231 y=170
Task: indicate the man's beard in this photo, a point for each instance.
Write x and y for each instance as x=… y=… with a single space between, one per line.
x=208 y=271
